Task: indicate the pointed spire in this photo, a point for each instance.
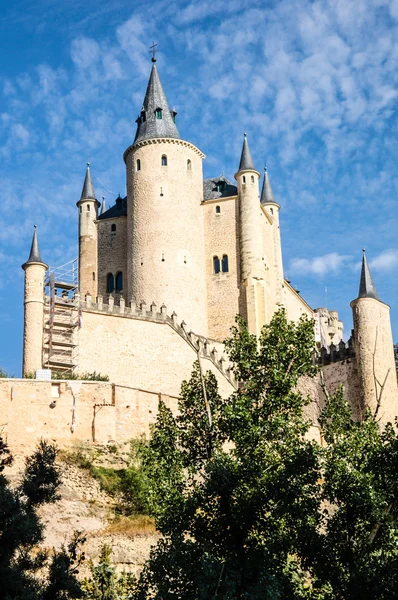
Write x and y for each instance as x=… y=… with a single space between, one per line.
x=103 y=206
x=34 y=256
x=367 y=288
x=267 y=195
x=88 y=188
x=246 y=161
x=156 y=119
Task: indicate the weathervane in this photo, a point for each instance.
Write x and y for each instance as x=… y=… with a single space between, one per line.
x=153 y=51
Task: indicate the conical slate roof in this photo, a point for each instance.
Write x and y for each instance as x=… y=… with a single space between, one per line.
x=246 y=161
x=367 y=288
x=88 y=188
x=156 y=120
x=34 y=256
x=266 y=193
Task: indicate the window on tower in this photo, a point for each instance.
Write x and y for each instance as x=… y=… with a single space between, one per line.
x=119 y=281
x=143 y=116
x=224 y=264
x=110 y=283
x=252 y=178
x=189 y=165
x=164 y=160
x=138 y=164
x=218 y=210
x=216 y=264
x=113 y=228
x=158 y=113
x=244 y=179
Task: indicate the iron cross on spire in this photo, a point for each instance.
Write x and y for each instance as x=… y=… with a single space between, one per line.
x=153 y=50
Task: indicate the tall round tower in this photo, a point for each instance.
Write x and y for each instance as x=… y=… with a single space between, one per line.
x=374 y=350
x=35 y=270
x=272 y=207
x=252 y=284
x=88 y=253
x=165 y=231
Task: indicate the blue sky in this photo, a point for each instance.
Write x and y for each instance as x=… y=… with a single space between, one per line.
x=314 y=84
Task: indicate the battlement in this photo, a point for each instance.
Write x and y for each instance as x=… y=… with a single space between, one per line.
x=116 y=306
x=335 y=353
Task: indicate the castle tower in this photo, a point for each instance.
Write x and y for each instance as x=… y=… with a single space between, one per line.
x=374 y=350
x=35 y=270
x=88 y=262
x=251 y=242
x=165 y=227
x=272 y=208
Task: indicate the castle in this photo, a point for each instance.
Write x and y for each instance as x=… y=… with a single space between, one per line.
x=163 y=272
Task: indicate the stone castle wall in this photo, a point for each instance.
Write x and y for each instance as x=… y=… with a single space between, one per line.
x=112 y=251
x=222 y=238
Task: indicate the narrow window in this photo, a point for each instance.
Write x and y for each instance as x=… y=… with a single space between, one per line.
x=143 y=116
x=93 y=276
x=110 y=283
x=271 y=211
x=81 y=209
x=173 y=115
x=189 y=165
x=119 y=281
x=113 y=227
x=218 y=210
x=88 y=207
x=216 y=264
x=158 y=113
x=252 y=178
x=244 y=179
x=164 y=160
x=225 y=263
x=138 y=164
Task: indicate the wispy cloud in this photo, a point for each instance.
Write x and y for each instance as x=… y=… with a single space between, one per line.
x=385 y=261
x=320 y=265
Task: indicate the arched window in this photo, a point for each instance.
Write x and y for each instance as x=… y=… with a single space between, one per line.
x=119 y=281
x=158 y=112
x=110 y=283
x=271 y=211
x=218 y=210
x=164 y=160
x=138 y=164
x=244 y=179
x=189 y=165
x=113 y=228
x=216 y=264
x=225 y=264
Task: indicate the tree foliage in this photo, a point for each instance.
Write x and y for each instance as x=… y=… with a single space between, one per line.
x=249 y=507
x=26 y=572
x=105 y=583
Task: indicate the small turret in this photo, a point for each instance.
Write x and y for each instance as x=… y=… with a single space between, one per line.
x=374 y=350
x=272 y=207
x=35 y=270
x=251 y=241
x=88 y=211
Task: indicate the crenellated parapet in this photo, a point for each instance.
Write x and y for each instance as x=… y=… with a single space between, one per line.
x=335 y=353
x=117 y=307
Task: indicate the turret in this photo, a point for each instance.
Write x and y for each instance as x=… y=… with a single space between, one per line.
x=251 y=242
x=272 y=207
x=35 y=270
x=374 y=350
x=88 y=263
x=165 y=228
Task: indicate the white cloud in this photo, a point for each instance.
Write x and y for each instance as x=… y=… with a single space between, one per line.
x=385 y=261
x=320 y=265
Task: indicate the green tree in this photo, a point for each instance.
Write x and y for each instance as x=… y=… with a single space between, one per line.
x=26 y=572
x=249 y=507
x=105 y=583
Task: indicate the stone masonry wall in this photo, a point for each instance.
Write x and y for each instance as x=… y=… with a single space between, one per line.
x=221 y=238
x=112 y=251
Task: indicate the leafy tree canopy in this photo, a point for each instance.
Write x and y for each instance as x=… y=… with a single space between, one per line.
x=26 y=572
x=251 y=508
